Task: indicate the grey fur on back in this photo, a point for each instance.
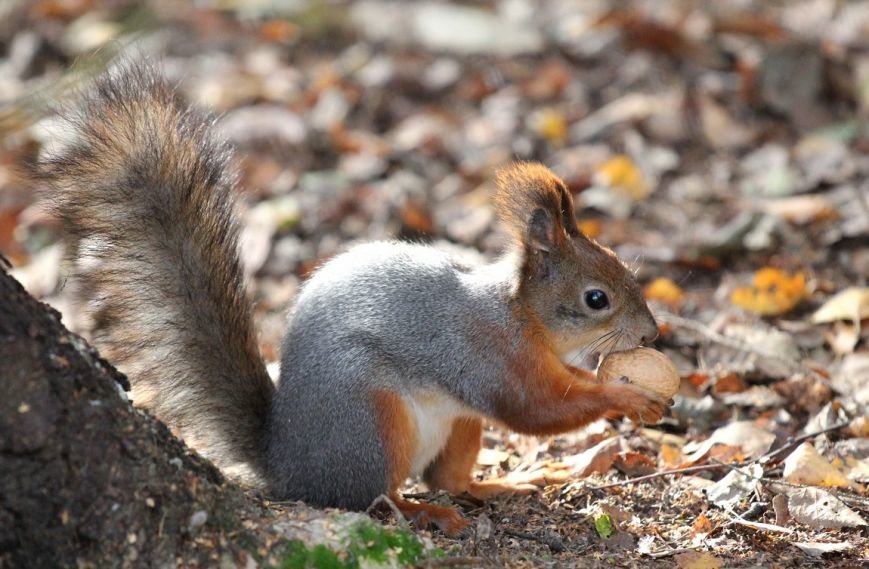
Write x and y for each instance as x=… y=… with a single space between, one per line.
x=144 y=195
x=383 y=315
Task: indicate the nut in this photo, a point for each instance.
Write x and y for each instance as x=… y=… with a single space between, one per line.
x=645 y=367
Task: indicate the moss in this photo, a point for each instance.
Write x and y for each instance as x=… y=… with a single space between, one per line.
x=366 y=544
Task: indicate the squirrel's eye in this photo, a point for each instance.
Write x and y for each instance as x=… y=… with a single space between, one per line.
x=596 y=299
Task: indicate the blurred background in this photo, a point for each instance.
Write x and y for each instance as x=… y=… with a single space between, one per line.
x=719 y=147
x=703 y=140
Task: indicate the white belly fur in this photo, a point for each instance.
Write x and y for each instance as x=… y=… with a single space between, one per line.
x=433 y=414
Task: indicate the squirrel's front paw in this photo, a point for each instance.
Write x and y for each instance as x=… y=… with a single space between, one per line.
x=636 y=403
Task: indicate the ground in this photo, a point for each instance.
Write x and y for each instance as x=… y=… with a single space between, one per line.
x=719 y=149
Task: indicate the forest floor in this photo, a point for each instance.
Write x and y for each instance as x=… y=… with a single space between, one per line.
x=719 y=148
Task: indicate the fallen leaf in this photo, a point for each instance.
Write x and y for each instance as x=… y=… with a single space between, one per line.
x=550 y=80
x=729 y=383
x=850 y=378
x=856 y=469
x=849 y=304
x=745 y=435
x=416 y=219
x=843 y=337
x=818 y=549
x=279 y=30
x=820 y=509
x=728 y=492
x=702 y=525
x=670 y=456
x=551 y=125
x=629 y=108
x=830 y=415
x=771 y=293
x=756 y=397
x=604 y=527
x=642 y=32
x=491 y=457
x=698 y=560
x=859 y=427
x=591 y=228
x=665 y=291
x=634 y=464
x=801 y=210
x=620 y=173
x=598 y=458
x=720 y=129
x=806 y=466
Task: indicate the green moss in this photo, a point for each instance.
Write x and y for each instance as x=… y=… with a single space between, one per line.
x=365 y=544
x=375 y=542
x=299 y=556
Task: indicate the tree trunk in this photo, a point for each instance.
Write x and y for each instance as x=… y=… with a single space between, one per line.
x=85 y=479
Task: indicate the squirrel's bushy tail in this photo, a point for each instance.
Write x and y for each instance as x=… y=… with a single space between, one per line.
x=144 y=194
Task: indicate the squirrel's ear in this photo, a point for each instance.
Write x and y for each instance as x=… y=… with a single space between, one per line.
x=541 y=230
x=536 y=206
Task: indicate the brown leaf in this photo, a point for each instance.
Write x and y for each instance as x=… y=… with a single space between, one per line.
x=698 y=560
x=819 y=509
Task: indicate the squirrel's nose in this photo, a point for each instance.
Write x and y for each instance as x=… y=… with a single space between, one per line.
x=650 y=332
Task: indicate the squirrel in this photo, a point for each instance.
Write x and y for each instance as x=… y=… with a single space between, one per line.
x=394 y=354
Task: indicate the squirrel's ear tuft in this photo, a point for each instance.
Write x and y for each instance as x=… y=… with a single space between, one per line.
x=535 y=205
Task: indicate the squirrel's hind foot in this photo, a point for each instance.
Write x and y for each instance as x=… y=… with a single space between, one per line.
x=447 y=519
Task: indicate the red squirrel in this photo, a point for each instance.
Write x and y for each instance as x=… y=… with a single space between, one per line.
x=395 y=353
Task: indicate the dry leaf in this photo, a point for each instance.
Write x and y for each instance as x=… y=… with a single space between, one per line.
x=598 y=458
x=801 y=210
x=551 y=125
x=817 y=548
x=745 y=435
x=702 y=525
x=855 y=469
x=729 y=383
x=550 y=80
x=820 y=509
x=728 y=492
x=620 y=173
x=698 y=560
x=665 y=291
x=491 y=457
x=859 y=427
x=849 y=304
x=670 y=456
x=756 y=397
x=850 y=378
x=416 y=219
x=806 y=466
x=843 y=337
x=591 y=228
x=634 y=464
x=719 y=127
x=772 y=292
x=279 y=30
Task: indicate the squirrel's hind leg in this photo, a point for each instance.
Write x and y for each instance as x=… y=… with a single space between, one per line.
x=398 y=434
x=453 y=469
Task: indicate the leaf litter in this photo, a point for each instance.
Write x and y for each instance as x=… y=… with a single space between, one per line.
x=720 y=149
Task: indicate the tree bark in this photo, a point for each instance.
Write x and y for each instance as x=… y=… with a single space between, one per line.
x=86 y=480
